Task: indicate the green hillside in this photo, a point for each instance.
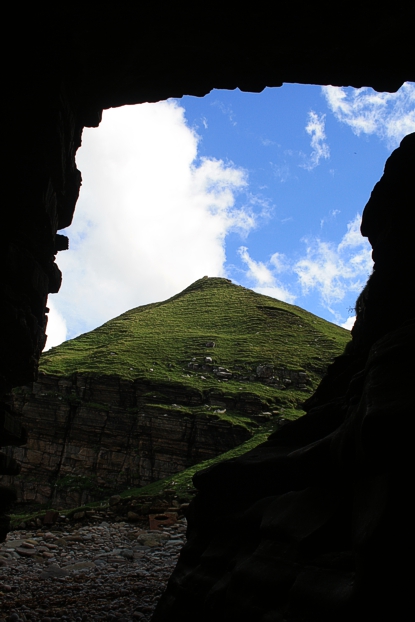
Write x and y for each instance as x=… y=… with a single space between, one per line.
x=166 y=343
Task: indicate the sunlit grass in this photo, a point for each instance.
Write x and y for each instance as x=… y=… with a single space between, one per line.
x=156 y=342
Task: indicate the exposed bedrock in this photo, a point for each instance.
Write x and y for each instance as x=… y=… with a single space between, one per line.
x=92 y=436
x=314 y=523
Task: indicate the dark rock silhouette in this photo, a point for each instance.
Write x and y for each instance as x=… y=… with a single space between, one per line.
x=312 y=524
x=66 y=63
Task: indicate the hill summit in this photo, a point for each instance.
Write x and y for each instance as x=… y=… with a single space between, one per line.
x=162 y=339
x=166 y=386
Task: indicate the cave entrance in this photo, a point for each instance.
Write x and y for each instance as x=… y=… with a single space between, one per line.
x=266 y=189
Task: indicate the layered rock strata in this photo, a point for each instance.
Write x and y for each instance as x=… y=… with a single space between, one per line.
x=314 y=524
x=92 y=436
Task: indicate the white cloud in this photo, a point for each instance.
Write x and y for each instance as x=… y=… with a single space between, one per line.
x=388 y=115
x=277 y=291
x=349 y=323
x=279 y=262
x=150 y=219
x=320 y=149
x=257 y=271
x=56 y=329
x=333 y=270
x=263 y=278
x=353 y=238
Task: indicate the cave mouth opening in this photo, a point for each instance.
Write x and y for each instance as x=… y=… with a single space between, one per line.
x=264 y=188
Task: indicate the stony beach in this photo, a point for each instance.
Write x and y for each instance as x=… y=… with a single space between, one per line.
x=106 y=571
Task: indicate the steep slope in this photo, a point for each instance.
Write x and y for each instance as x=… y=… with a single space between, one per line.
x=164 y=338
x=165 y=386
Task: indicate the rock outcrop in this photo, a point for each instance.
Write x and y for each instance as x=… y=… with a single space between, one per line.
x=93 y=436
x=134 y=415
x=314 y=524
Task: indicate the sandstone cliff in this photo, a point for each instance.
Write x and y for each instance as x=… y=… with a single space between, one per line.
x=93 y=436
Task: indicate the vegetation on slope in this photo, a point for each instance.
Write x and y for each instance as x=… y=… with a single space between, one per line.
x=166 y=348
x=166 y=344
x=180 y=483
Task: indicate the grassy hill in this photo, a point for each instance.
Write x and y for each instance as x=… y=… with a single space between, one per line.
x=196 y=357
x=167 y=343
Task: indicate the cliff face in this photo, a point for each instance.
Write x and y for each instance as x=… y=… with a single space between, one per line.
x=163 y=387
x=92 y=436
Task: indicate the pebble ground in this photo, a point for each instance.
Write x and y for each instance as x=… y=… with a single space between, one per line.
x=109 y=571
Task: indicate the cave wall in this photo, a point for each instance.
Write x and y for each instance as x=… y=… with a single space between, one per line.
x=314 y=524
x=68 y=62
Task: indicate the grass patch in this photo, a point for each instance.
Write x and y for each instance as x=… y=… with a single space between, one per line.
x=182 y=482
x=165 y=345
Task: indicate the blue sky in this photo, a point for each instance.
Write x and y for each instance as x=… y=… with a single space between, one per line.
x=265 y=189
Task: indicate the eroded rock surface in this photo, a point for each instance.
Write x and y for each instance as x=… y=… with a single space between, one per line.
x=92 y=436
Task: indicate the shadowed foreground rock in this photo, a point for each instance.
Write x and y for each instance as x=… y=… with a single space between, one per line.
x=314 y=523
x=78 y=60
